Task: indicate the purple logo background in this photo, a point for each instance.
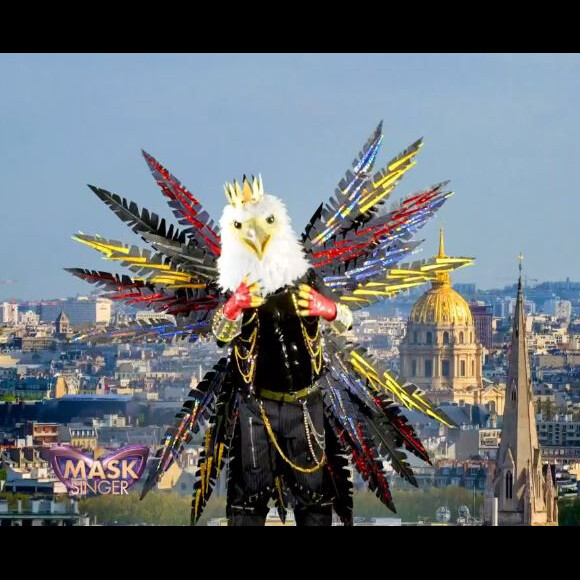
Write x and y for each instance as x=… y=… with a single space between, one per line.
x=133 y=456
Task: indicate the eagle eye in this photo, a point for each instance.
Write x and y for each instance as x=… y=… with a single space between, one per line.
x=270 y=219
x=237 y=225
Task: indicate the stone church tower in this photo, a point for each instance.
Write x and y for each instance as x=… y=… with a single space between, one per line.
x=62 y=324
x=518 y=484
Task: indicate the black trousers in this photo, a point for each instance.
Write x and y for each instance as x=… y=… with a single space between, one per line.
x=255 y=464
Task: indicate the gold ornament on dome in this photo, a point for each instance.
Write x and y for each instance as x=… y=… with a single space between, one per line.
x=441 y=304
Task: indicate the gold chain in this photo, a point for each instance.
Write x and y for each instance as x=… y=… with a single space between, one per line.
x=255 y=313
x=252 y=341
x=319 y=463
x=249 y=376
x=315 y=355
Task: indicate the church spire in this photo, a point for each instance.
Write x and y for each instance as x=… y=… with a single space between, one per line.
x=441 y=253
x=519 y=368
x=520 y=260
x=441 y=278
x=519 y=452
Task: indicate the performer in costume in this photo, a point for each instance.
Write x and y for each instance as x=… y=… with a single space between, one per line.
x=294 y=403
x=273 y=327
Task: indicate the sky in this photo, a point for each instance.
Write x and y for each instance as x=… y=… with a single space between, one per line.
x=502 y=127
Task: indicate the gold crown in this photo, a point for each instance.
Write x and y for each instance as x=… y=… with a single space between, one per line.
x=248 y=192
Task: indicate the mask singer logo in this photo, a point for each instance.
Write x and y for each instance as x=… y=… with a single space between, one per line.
x=113 y=474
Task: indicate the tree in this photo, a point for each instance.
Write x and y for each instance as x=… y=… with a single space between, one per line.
x=412 y=504
x=158 y=508
x=13 y=499
x=569 y=512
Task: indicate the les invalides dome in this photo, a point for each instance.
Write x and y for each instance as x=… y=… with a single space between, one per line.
x=440 y=352
x=441 y=305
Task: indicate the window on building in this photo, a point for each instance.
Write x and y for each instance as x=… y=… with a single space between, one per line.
x=428 y=368
x=415 y=337
x=429 y=337
x=462 y=368
x=445 y=337
x=509 y=485
x=414 y=367
x=471 y=337
x=445 y=368
x=461 y=338
x=472 y=368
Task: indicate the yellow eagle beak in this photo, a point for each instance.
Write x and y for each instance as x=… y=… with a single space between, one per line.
x=256 y=238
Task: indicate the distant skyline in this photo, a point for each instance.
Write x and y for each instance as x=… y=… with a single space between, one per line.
x=502 y=127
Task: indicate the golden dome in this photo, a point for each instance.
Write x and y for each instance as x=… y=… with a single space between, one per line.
x=441 y=304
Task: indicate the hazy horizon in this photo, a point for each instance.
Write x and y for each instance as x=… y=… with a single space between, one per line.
x=501 y=127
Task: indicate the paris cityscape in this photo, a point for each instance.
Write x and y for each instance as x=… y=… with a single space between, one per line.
x=464 y=336
x=54 y=389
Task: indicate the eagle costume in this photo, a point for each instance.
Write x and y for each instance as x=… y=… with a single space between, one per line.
x=295 y=402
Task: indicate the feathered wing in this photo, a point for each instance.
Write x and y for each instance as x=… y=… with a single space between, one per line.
x=176 y=277
x=186 y=207
x=364 y=370
x=355 y=245
x=390 y=281
x=359 y=195
x=351 y=431
x=337 y=466
x=362 y=402
x=185 y=248
x=385 y=240
x=199 y=406
x=216 y=449
x=145 y=330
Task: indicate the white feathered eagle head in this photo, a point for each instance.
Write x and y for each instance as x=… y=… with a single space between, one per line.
x=257 y=240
